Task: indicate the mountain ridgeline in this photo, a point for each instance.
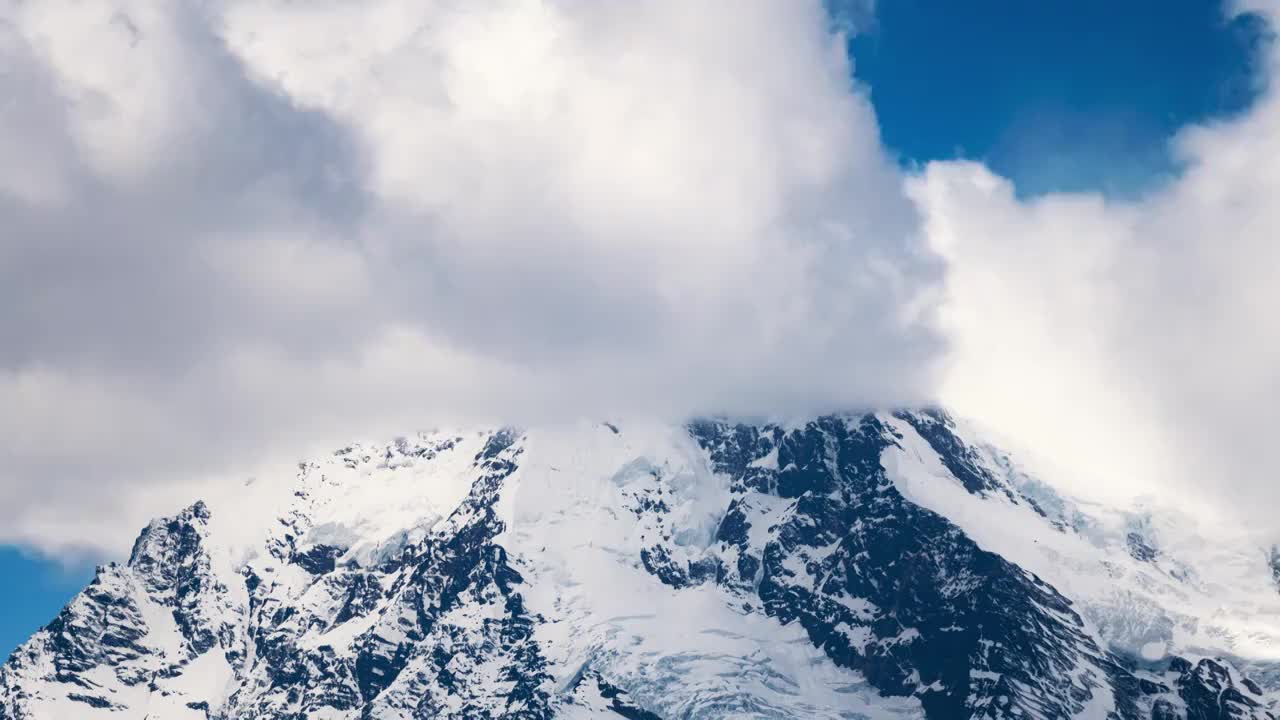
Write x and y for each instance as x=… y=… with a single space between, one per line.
x=889 y=565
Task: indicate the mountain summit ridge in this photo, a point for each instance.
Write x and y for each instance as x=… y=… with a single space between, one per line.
x=860 y=565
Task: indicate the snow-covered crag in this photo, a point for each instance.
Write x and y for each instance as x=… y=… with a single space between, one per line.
x=878 y=566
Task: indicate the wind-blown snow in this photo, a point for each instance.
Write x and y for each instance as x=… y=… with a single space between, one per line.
x=1208 y=589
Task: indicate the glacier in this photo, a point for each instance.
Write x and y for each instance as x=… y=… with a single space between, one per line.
x=882 y=565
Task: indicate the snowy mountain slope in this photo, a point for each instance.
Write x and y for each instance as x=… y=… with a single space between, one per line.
x=888 y=565
x=158 y=637
x=1151 y=580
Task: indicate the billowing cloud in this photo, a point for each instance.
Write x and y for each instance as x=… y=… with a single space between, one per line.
x=238 y=232
x=234 y=229
x=1132 y=346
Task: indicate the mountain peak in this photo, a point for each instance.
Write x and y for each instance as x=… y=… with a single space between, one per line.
x=878 y=565
x=164 y=541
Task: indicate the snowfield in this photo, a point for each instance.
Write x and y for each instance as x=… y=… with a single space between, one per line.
x=865 y=566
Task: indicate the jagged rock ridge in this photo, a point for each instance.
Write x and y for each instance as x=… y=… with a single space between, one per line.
x=842 y=567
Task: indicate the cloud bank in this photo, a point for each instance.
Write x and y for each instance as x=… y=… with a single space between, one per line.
x=233 y=229
x=238 y=232
x=1133 y=346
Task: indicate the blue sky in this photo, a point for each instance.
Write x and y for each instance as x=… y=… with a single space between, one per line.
x=1055 y=94
x=34 y=591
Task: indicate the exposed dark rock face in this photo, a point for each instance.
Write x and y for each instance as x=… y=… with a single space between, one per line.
x=813 y=533
x=901 y=594
x=449 y=636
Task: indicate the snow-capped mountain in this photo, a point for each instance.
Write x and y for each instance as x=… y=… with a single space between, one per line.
x=881 y=566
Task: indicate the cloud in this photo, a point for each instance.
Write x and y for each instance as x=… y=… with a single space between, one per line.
x=240 y=232
x=236 y=229
x=1129 y=344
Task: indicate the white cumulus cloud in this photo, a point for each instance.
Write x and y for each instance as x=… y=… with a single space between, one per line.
x=234 y=229
x=235 y=232
x=1132 y=345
